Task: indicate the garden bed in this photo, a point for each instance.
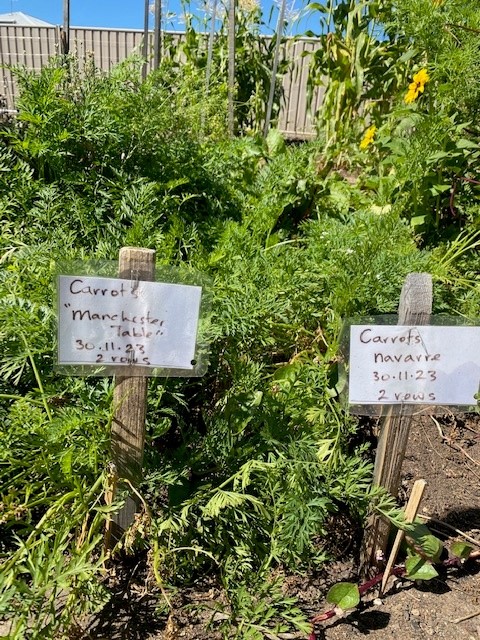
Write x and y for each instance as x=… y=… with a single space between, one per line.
x=446 y=453
x=257 y=482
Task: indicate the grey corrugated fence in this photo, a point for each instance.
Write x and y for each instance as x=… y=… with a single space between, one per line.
x=32 y=47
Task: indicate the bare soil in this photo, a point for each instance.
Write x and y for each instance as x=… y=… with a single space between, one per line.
x=446 y=453
x=443 y=451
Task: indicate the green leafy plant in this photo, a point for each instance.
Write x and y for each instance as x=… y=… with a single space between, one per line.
x=254 y=57
x=359 y=68
x=260 y=609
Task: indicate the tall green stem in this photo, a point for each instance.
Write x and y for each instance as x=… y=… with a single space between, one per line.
x=37 y=378
x=279 y=34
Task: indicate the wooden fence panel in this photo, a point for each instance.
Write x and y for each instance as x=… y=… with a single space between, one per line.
x=32 y=47
x=296 y=118
x=104 y=47
x=29 y=47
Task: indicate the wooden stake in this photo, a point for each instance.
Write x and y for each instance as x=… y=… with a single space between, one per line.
x=65 y=33
x=130 y=405
x=410 y=514
x=415 y=309
x=157 y=28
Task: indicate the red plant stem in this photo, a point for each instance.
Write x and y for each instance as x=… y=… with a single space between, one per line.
x=363 y=588
x=326 y=615
x=366 y=586
x=398 y=571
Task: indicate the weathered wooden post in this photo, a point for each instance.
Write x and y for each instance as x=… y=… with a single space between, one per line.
x=132 y=327
x=157 y=29
x=65 y=33
x=130 y=403
x=415 y=308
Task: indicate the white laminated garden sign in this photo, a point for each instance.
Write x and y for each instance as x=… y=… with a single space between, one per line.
x=399 y=365
x=113 y=322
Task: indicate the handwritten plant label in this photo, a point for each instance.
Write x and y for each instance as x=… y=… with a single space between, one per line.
x=114 y=322
x=393 y=364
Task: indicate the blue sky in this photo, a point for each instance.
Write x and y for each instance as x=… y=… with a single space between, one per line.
x=126 y=14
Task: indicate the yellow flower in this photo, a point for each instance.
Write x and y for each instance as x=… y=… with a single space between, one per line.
x=368 y=137
x=417 y=87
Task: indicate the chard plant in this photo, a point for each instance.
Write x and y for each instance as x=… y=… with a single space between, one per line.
x=423 y=553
